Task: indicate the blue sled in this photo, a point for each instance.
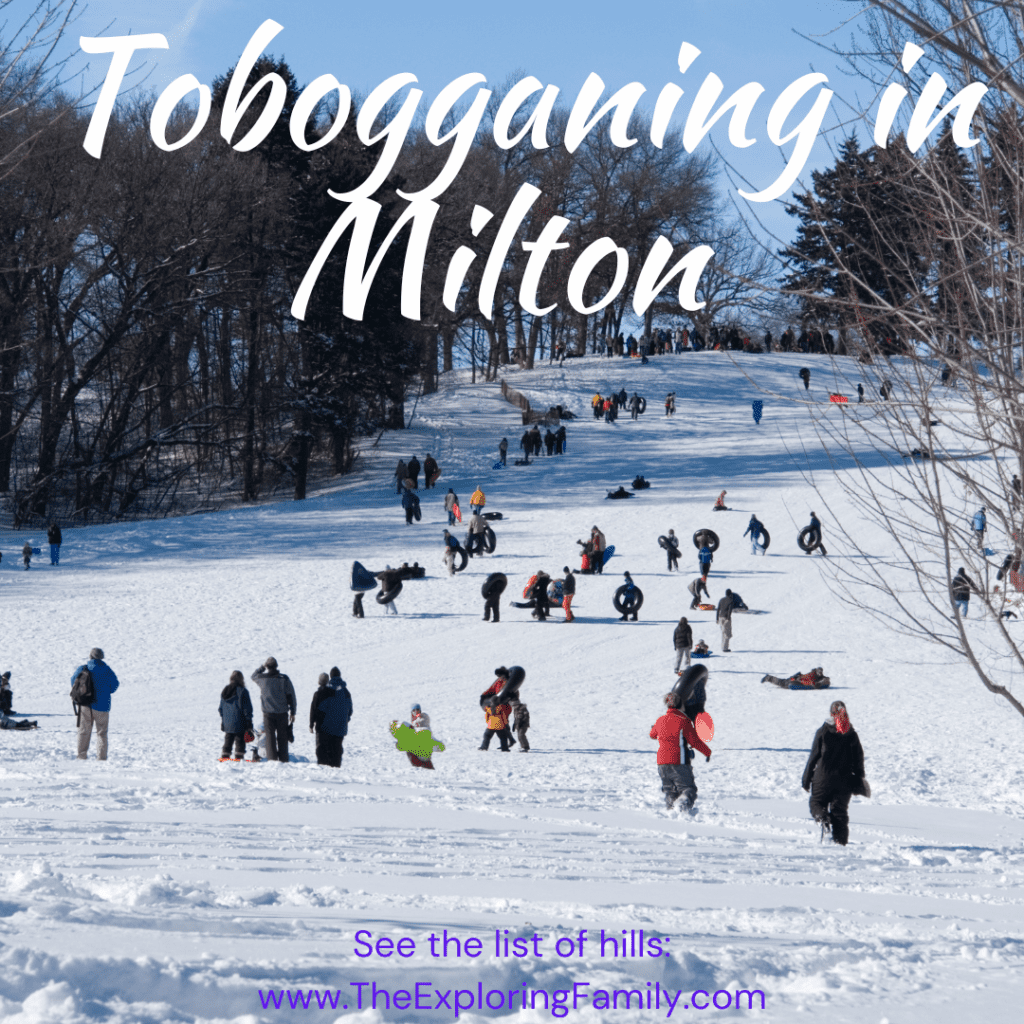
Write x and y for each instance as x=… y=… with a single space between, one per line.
x=498 y=465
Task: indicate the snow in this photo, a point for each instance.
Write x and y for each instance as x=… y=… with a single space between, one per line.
x=164 y=886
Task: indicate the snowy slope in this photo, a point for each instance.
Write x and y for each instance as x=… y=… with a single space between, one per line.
x=163 y=886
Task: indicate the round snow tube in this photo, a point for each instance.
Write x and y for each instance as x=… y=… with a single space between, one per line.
x=627 y=601
x=555 y=593
x=387 y=596
x=663 y=542
x=490 y=541
x=641 y=405
x=766 y=538
x=461 y=559
x=494 y=585
x=688 y=682
x=416 y=513
x=807 y=545
x=709 y=537
x=516 y=675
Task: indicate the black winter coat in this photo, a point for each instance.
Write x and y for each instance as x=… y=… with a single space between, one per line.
x=235 y=709
x=962 y=587
x=836 y=762
x=53 y=535
x=569 y=584
x=414 y=467
x=683 y=636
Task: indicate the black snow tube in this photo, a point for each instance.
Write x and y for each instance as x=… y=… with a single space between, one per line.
x=688 y=682
x=711 y=540
x=641 y=405
x=494 y=585
x=664 y=542
x=516 y=675
x=461 y=559
x=492 y=515
x=362 y=579
x=387 y=596
x=621 y=493
x=490 y=541
x=807 y=531
x=766 y=538
x=416 y=513
x=635 y=603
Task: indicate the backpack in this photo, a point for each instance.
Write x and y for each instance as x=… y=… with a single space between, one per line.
x=83 y=692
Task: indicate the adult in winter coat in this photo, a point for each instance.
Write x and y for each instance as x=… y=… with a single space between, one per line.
x=549 y=442
x=597 y=404
x=672 y=550
x=600 y=542
x=277 y=699
x=696 y=588
x=813 y=680
x=55 y=538
x=979 y=523
x=503 y=450
x=568 y=593
x=430 y=467
x=475 y=536
x=723 y=616
x=834 y=773
x=704 y=560
x=496 y=717
x=629 y=600
x=538 y=593
x=755 y=527
x=409 y=503
x=805 y=376
x=26 y=554
x=477 y=500
x=98 y=713
x=451 y=546
x=414 y=471
x=634 y=406
x=401 y=472
x=235 y=716
x=961 y=588
x=560 y=438
x=860 y=394
x=536 y=440
x=673 y=765
x=815 y=527
x=328 y=717
x=526 y=443
x=682 y=640
x=451 y=499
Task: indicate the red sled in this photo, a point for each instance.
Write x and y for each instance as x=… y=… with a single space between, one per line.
x=458 y=513
x=705 y=727
x=838 y=398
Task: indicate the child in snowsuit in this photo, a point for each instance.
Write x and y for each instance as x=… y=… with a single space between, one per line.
x=834 y=773
x=673 y=766
x=496 y=716
x=629 y=600
x=235 y=717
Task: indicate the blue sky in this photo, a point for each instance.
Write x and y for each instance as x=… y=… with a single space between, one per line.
x=559 y=43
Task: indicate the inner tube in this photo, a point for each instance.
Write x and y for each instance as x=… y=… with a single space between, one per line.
x=642 y=405
x=555 y=593
x=635 y=602
x=494 y=585
x=416 y=513
x=663 y=542
x=490 y=541
x=492 y=515
x=620 y=493
x=807 y=531
x=709 y=537
x=387 y=596
x=461 y=559
x=510 y=690
x=362 y=579
x=766 y=538
x=688 y=683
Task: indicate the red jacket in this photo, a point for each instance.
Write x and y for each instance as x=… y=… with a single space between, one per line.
x=666 y=731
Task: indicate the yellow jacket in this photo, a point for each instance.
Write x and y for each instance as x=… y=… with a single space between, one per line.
x=477 y=498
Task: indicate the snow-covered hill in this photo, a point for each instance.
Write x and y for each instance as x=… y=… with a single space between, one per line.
x=164 y=886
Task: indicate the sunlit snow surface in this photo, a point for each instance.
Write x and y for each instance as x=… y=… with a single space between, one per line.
x=164 y=886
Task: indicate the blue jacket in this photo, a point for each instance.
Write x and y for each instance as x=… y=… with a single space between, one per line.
x=705 y=554
x=103 y=679
x=979 y=521
x=331 y=708
x=409 y=500
x=754 y=529
x=235 y=709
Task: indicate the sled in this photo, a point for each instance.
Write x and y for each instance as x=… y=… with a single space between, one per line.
x=697 y=654
x=706 y=607
x=498 y=465
x=37 y=551
x=434 y=477
x=705 y=727
x=608 y=552
x=833 y=397
x=458 y=512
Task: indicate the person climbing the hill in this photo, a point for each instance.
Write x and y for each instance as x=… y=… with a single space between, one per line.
x=815 y=536
x=634 y=406
x=962 y=586
x=536 y=441
x=860 y=394
x=451 y=499
x=451 y=546
x=672 y=550
x=673 y=765
x=723 y=616
x=597 y=404
x=496 y=715
x=477 y=500
x=682 y=640
x=401 y=472
x=430 y=467
x=600 y=544
x=409 y=502
x=805 y=376
x=503 y=450
x=704 y=560
x=834 y=773
x=696 y=588
x=979 y=524
x=629 y=600
x=475 y=536
x=560 y=439
x=568 y=593
x=670 y=404
x=54 y=538
x=235 y=717
x=549 y=442
x=414 y=472
x=26 y=554
x=389 y=579
x=754 y=528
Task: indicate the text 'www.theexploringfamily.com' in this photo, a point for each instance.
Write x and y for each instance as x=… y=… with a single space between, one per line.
x=559 y=1002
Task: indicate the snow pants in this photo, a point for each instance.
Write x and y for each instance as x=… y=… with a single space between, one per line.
x=524 y=743
x=86 y=719
x=682 y=657
x=275 y=725
x=726 y=633
x=677 y=781
x=491 y=605
x=329 y=749
x=831 y=807
x=54 y=554
x=673 y=560
x=236 y=740
x=504 y=735
x=569 y=617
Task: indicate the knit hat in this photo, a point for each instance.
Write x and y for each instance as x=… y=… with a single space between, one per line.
x=96 y=654
x=502 y=671
x=270 y=663
x=237 y=677
x=322 y=679
x=565 y=568
x=335 y=672
x=416 y=707
x=728 y=593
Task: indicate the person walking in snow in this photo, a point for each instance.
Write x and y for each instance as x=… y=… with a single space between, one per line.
x=834 y=773
x=600 y=542
x=704 y=560
x=536 y=440
x=538 y=593
x=568 y=593
x=277 y=700
x=696 y=588
x=860 y=394
x=629 y=600
x=410 y=502
x=26 y=554
x=634 y=406
x=549 y=442
x=723 y=616
x=672 y=550
x=814 y=539
x=961 y=588
x=451 y=500
x=805 y=376
x=475 y=536
x=451 y=547
x=503 y=450
x=235 y=717
x=401 y=472
x=979 y=523
x=673 y=764
x=754 y=528
x=54 y=539
x=521 y=725
x=414 y=472
x=329 y=714
x=496 y=716
x=682 y=640
x=477 y=500
x=430 y=468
